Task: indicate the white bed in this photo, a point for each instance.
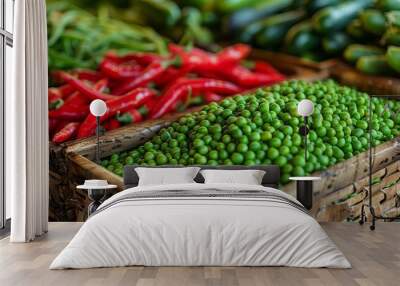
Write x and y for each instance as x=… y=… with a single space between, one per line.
x=249 y=226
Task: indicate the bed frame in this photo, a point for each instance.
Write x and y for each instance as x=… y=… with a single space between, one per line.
x=271 y=177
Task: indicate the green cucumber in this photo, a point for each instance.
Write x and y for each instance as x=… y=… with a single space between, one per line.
x=393 y=19
x=274 y=29
x=229 y=6
x=356 y=51
x=298 y=4
x=355 y=29
x=203 y=5
x=337 y=17
x=375 y=65
x=249 y=33
x=313 y=6
x=373 y=21
x=335 y=43
x=393 y=57
x=264 y=8
x=301 y=38
x=388 y=5
x=391 y=36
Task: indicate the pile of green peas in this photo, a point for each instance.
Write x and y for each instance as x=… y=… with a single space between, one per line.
x=263 y=128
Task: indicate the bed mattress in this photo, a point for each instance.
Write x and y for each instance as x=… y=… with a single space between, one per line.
x=201 y=225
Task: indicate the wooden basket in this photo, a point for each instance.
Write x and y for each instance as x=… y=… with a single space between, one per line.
x=345 y=204
x=339 y=181
x=281 y=59
x=378 y=85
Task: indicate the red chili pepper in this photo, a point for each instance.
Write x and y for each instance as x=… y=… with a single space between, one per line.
x=233 y=54
x=177 y=50
x=66 y=133
x=171 y=75
x=85 y=89
x=54 y=98
x=175 y=92
x=211 y=97
x=266 y=68
x=53 y=125
x=76 y=99
x=89 y=75
x=60 y=124
x=194 y=60
x=119 y=71
x=70 y=112
x=66 y=90
x=132 y=116
x=101 y=85
x=151 y=73
x=111 y=124
x=203 y=62
x=246 y=78
x=149 y=105
x=76 y=107
x=143 y=59
x=121 y=104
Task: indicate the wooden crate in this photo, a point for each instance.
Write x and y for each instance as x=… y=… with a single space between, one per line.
x=378 y=85
x=70 y=165
x=339 y=181
x=385 y=196
x=345 y=173
x=281 y=59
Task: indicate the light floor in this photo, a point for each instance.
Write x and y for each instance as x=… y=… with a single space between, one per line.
x=375 y=257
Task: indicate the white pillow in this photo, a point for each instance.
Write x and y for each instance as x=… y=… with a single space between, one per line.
x=248 y=177
x=166 y=176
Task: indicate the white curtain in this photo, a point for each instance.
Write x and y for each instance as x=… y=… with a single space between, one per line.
x=27 y=124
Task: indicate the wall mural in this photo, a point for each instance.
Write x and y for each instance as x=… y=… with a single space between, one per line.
x=219 y=83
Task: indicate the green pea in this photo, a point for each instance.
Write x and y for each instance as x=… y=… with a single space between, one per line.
x=201 y=160
x=280 y=161
x=272 y=153
x=244 y=140
x=161 y=159
x=299 y=160
x=223 y=154
x=284 y=150
x=213 y=155
x=237 y=158
x=298 y=171
x=198 y=143
x=129 y=160
x=165 y=136
x=266 y=135
x=237 y=133
x=254 y=146
x=149 y=156
x=276 y=142
x=242 y=148
x=231 y=147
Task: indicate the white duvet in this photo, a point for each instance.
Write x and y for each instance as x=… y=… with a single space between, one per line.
x=200 y=231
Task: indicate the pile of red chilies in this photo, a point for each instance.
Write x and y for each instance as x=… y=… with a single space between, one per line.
x=142 y=86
